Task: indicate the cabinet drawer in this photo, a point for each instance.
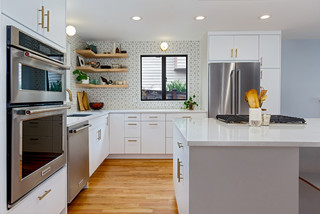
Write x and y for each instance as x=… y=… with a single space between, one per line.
x=97 y=122
x=132 y=117
x=153 y=117
x=153 y=138
x=38 y=128
x=37 y=144
x=132 y=146
x=52 y=203
x=132 y=129
x=171 y=117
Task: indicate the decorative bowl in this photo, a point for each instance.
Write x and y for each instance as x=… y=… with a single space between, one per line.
x=96 y=106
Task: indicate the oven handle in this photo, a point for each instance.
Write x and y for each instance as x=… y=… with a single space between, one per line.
x=34 y=56
x=79 y=129
x=39 y=111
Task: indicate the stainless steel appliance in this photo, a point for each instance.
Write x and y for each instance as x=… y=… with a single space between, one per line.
x=36 y=116
x=36 y=71
x=78 y=159
x=228 y=83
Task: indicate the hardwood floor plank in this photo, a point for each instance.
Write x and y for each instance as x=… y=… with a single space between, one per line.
x=128 y=186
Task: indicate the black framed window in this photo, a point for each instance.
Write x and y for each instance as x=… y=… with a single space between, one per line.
x=164 y=77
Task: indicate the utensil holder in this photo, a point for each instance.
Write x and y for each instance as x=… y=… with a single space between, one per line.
x=266 y=119
x=255 y=118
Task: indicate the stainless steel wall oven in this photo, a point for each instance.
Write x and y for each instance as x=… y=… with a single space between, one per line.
x=36 y=114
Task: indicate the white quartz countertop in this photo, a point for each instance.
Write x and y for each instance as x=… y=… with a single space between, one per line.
x=211 y=132
x=75 y=120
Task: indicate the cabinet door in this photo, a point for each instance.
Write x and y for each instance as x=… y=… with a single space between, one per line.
x=116 y=133
x=221 y=48
x=271 y=81
x=153 y=139
x=169 y=145
x=246 y=47
x=106 y=139
x=270 y=51
x=25 y=12
x=56 y=22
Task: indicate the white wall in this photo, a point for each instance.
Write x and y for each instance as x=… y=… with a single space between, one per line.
x=300 y=78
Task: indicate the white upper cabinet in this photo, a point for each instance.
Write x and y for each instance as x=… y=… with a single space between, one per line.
x=55 y=21
x=25 y=12
x=45 y=17
x=246 y=47
x=271 y=80
x=233 y=48
x=220 y=48
x=270 y=51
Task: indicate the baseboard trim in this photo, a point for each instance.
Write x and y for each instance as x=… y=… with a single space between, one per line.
x=139 y=156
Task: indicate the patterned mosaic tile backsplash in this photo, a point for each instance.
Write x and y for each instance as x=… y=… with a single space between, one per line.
x=130 y=97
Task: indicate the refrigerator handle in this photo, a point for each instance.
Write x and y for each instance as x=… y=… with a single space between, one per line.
x=238 y=109
x=233 y=92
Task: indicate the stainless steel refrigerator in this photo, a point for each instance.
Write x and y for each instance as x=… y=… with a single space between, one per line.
x=228 y=84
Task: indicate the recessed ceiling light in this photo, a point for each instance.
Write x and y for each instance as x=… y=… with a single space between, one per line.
x=136 y=18
x=265 y=17
x=199 y=18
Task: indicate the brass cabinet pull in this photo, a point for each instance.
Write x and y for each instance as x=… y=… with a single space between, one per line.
x=153 y=124
x=132 y=140
x=236 y=52
x=153 y=117
x=42 y=17
x=186 y=117
x=261 y=74
x=232 y=53
x=179 y=164
x=261 y=61
x=44 y=195
x=48 y=20
x=132 y=117
x=132 y=124
x=180 y=145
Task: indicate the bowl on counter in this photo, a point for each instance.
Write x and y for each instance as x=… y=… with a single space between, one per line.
x=96 y=106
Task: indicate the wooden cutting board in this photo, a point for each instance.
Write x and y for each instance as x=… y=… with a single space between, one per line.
x=85 y=101
x=80 y=101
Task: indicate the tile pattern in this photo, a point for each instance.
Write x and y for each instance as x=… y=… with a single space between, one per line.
x=130 y=98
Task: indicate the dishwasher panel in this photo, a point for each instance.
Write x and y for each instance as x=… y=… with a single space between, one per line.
x=78 y=159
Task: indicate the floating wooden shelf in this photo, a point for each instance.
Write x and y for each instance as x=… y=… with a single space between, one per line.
x=88 y=69
x=100 y=86
x=91 y=54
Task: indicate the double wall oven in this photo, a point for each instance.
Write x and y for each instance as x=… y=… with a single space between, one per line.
x=36 y=114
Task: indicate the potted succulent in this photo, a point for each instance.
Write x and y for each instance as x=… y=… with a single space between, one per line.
x=83 y=77
x=190 y=103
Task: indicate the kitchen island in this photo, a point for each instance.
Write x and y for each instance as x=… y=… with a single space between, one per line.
x=233 y=168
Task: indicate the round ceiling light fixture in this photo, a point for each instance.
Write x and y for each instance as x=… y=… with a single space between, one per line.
x=136 y=18
x=199 y=18
x=265 y=17
x=70 y=30
x=164 y=46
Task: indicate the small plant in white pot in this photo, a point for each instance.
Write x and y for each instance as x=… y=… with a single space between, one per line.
x=83 y=77
x=190 y=103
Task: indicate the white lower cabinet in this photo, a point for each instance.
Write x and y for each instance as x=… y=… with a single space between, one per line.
x=153 y=137
x=181 y=172
x=97 y=144
x=132 y=146
x=50 y=197
x=169 y=146
x=145 y=133
x=116 y=133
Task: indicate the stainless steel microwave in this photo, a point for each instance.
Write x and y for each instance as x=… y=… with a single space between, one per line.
x=36 y=71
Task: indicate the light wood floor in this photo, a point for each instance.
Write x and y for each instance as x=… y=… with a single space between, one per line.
x=128 y=186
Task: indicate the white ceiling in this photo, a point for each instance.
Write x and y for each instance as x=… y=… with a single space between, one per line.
x=174 y=19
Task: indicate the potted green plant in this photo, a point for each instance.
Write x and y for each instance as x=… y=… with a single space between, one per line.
x=190 y=103
x=83 y=77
